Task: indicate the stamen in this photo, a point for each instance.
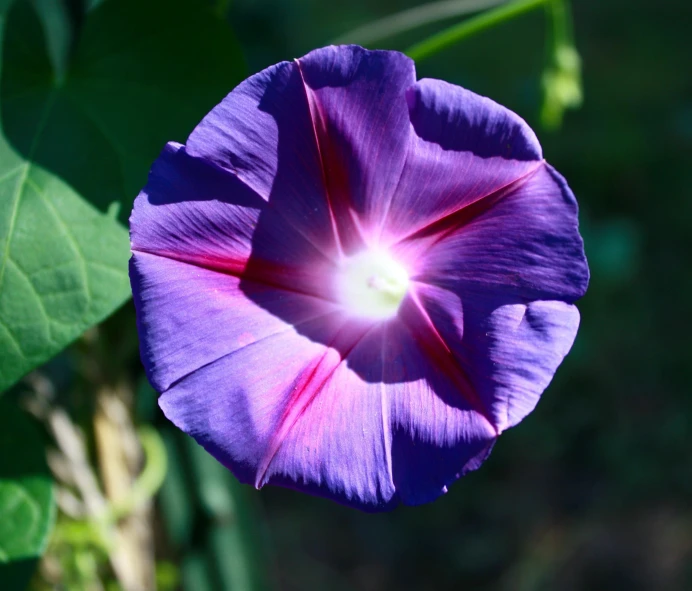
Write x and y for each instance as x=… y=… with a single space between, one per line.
x=372 y=284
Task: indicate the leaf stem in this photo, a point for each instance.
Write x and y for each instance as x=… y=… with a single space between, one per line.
x=149 y=481
x=412 y=18
x=561 y=80
x=471 y=26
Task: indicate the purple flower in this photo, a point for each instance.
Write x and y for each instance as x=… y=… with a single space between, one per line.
x=350 y=282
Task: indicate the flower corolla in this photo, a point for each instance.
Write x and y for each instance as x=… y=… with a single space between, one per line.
x=350 y=282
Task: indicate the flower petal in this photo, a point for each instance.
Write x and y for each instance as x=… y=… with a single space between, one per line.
x=189 y=316
x=463 y=148
x=512 y=349
x=262 y=132
x=388 y=427
x=195 y=212
x=460 y=120
x=523 y=242
x=367 y=421
x=437 y=434
x=361 y=120
x=503 y=350
x=498 y=280
x=339 y=445
x=245 y=407
x=236 y=405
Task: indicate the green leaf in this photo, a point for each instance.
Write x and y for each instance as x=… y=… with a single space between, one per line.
x=27 y=508
x=62 y=263
x=63 y=266
x=77 y=145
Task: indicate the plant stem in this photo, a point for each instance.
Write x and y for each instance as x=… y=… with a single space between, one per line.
x=560 y=31
x=374 y=32
x=476 y=24
x=149 y=481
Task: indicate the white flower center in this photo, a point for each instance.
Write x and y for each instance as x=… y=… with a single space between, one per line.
x=372 y=284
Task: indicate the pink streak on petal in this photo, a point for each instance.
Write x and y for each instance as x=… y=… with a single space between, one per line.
x=261 y=133
x=342 y=442
x=191 y=316
x=301 y=279
x=450 y=221
x=526 y=245
x=433 y=343
x=309 y=384
x=314 y=119
x=335 y=177
x=361 y=118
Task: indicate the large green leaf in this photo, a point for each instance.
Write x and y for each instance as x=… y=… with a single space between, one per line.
x=64 y=265
x=142 y=73
x=27 y=509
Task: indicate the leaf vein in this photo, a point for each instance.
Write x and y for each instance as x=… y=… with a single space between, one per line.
x=13 y=338
x=13 y=219
x=40 y=297
x=81 y=259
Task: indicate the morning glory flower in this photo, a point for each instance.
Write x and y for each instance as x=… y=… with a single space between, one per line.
x=350 y=282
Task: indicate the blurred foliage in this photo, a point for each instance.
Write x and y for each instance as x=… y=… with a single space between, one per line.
x=213 y=522
x=561 y=80
x=27 y=507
